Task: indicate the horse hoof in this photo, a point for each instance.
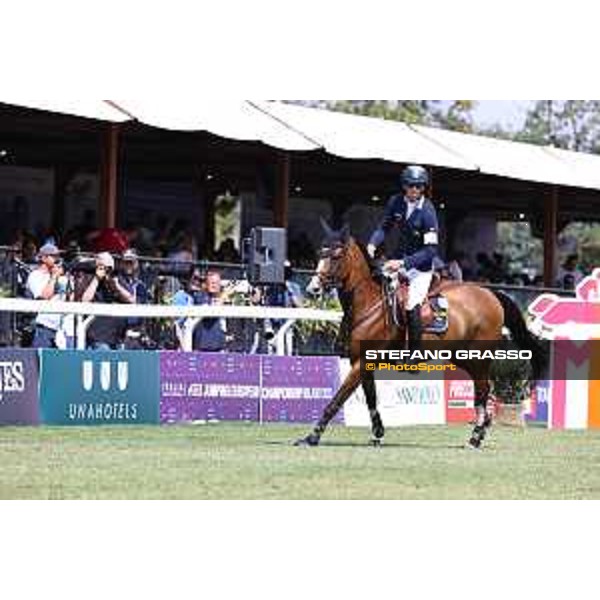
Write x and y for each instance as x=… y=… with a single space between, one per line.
x=376 y=442
x=474 y=444
x=378 y=433
x=310 y=440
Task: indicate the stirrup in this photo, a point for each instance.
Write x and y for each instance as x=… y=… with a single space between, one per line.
x=439 y=324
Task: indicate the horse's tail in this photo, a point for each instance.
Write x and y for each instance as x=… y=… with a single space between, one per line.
x=514 y=321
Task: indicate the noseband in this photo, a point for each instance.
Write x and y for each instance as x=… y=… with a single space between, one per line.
x=335 y=254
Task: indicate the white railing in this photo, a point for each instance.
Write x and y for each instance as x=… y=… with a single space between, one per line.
x=85 y=313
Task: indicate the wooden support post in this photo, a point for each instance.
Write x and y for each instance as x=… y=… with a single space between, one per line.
x=62 y=178
x=550 y=234
x=109 y=167
x=282 y=190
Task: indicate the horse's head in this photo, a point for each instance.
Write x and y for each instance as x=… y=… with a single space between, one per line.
x=333 y=268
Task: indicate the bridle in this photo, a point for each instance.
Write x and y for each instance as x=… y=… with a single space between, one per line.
x=335 y=253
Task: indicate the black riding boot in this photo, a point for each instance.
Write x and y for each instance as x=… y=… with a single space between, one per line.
x=415 y=328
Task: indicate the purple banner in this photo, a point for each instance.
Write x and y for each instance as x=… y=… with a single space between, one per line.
x=204 y=386
x=19 y=395
x=539 y=403
x=297 y=389
x=238 y=387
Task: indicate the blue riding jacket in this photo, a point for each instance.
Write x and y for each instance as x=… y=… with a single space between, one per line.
x=418 y=235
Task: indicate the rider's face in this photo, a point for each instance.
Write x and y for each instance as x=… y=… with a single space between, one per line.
x=413 y=192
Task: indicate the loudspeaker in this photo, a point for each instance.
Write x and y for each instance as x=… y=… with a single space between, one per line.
x=266 y=255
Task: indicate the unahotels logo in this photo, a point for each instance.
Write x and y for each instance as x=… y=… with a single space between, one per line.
x=105 y=372
x=111 y=378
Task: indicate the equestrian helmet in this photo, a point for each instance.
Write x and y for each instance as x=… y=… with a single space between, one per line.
x=414 y=175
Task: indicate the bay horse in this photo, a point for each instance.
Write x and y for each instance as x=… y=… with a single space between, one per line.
x=475 y=314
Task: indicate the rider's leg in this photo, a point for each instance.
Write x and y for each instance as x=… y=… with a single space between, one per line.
x=419 y=282
x=415 y=328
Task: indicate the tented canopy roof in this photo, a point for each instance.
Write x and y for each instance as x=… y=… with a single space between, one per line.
x=102 y=110
x=298 y=128
x=355 y=136
x=233 y=119
x=528 y=162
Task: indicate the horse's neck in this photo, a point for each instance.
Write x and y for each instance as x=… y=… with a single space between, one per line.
x=359 y=288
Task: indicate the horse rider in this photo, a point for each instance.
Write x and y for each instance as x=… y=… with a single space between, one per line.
x=414 y=218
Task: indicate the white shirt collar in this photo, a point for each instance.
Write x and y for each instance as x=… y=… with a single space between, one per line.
x=412 y=205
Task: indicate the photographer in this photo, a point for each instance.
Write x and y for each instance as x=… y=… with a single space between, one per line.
x=130 y=281
x=47 y=282
x=104 y=287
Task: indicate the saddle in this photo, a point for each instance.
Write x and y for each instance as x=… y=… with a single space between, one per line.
x=434 y=310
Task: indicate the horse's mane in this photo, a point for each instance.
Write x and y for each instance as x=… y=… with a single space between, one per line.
x=373 y=269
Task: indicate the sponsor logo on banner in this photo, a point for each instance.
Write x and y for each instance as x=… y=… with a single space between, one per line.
x=237 y=387
x=99 y=387
x=19 y=400
x=400 y=403
x=573 y=325
x=106 y=375
x=460 y=397
x=297 y=389
x=199 y=386
x=12 y=377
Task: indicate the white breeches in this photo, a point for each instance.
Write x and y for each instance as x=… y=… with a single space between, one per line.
x=419 y=282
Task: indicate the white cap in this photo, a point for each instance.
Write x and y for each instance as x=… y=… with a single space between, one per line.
x=106 y=259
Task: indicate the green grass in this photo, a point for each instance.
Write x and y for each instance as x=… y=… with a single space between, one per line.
x=251 y=461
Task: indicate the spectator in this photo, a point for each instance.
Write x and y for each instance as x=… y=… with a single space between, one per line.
x=103 y=287
x=569 y=274
x=47 y=282
x=82 y=232
x=29 y=250
x=130 y=281
x=129 y=277
x=287 y=295
x=227 y=252
x=209 y=335
x=110 y=240
x=485 y=267
x=185 y=250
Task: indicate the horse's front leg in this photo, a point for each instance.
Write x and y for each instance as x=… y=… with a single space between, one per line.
x=377 y=428
x=348 y=386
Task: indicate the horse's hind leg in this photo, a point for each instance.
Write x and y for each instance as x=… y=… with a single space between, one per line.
x=377 y=428
x=483 y=418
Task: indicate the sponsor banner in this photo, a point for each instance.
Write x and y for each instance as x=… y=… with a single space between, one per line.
x=209 y=386
x=19 y=378
x=460 y=397
x=419 y=401
x=99 y=388
x=574 y=390
x=297 y=389
x=573 y=393
x=537 y=409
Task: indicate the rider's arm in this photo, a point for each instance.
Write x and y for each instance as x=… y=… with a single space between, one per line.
x=423 y=258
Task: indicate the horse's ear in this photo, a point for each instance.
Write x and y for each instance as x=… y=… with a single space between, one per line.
x=328 y=231
x=345 y=232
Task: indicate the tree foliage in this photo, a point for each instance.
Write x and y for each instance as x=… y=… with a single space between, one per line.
x=450 y=114
x=568 y=124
